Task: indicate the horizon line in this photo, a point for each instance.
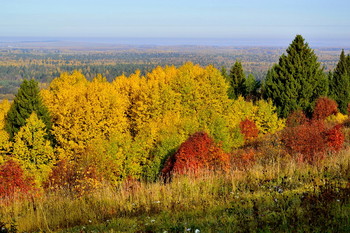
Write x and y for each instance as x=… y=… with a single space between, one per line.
x=177 y=41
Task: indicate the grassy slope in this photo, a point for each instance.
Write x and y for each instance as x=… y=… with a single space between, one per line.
x=280 y=196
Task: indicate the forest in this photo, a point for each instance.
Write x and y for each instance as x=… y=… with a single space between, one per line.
x=26 y=61
x=181 y=147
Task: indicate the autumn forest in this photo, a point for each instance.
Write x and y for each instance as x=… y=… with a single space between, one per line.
x=179 y=143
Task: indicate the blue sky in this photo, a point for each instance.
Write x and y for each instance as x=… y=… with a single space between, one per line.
x=176 y=18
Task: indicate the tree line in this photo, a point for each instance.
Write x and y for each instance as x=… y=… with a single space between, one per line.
x=132 y=126
x=127 y=127
x=296 y=81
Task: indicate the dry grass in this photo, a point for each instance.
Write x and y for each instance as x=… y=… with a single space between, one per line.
x=196 y=201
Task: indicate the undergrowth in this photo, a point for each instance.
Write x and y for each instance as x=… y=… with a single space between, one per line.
x=279 y=196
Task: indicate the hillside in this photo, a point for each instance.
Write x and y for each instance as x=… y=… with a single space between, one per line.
x=179 y=148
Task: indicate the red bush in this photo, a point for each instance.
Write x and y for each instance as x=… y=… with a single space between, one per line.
x=296 y=118
x=245 y=158
x=312 y=140
x=67 y=175
x=62 y=176
x=324 y=107
x=335 y=138
x=198 y=152
x=308 y=139
x=13 y=181
x=248 y=129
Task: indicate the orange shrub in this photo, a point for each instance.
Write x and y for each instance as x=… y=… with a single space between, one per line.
x=335 y=138
x=312 y=140
x=13 y=181
x=296 y=118
x=244 y=158
x=67 y=175
x=308 y=139
x=248 y=129
x=324 y=108
x=62 y=176
x=198 y=152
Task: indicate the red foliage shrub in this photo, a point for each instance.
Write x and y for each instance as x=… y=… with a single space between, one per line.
x=324 y=107
x=308 y=139
x=62 y=175
x=335 y=138
x=67 y=175
x=244 y=158
x=248 y=129
x=296 y=118
x=312 y=140
x=13 y=181
x=198 y=152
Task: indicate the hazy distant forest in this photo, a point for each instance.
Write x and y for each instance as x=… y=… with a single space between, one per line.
x=27 y=60
x=198 y=139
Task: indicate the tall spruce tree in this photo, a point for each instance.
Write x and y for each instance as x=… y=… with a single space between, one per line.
x=252 y=87
x=297 y=80
x=339 y=82
x=27 y=101
x=224 y=72
x=237 y=81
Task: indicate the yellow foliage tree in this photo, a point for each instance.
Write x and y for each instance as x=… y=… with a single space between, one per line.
x=266 y=118
x=130 y=126
x=168 y=105
x=5 y=144
x=263 y=113
x=32 y=149
x=338 y=118
x=5 y=106
x=82 y=111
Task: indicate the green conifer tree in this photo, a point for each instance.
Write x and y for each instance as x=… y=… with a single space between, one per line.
x=224 y=72
x=27 y=101
x=237 y=81
x=339 y=83
x=252 y=87
x=297 y=80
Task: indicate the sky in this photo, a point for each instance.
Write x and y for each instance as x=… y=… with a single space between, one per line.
x=244 y=19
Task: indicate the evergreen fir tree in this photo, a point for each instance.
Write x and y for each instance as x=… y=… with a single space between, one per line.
x=339 y=83
x=252 y=87
x=297 y=80
x=27 y=101
x=224 y=72
x=237 y=81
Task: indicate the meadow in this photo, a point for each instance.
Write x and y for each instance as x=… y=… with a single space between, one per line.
x=277 y=195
